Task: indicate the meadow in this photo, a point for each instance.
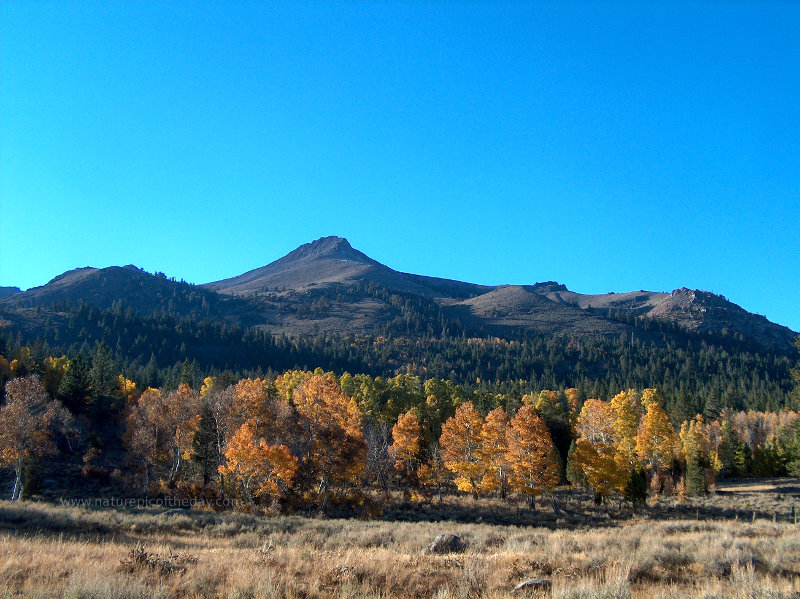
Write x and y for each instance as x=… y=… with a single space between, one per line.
x=741 y=542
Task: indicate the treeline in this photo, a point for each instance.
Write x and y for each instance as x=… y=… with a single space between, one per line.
x=694 y=373
x=312 y=440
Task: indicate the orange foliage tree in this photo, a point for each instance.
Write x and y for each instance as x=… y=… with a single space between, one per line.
x=492 y=453
x=461 y=443
x=405 y=451
x=330 y=442
x=531 y=455
x=263 y=470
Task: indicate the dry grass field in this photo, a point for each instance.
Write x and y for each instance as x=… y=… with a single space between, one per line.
x=742 y=542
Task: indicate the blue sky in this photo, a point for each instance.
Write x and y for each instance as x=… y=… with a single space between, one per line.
x=606 y=145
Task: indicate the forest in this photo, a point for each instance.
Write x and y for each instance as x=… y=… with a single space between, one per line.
x=320 y=441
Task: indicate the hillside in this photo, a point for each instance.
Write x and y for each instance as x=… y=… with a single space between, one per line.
x=301 y=293
x=327 y=286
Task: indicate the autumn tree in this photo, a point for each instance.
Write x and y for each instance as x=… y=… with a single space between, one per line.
x=628 y=409
x=595 y=449
x=461 y=443
x=696 y=452
x=26 y=421
x=407 y=437
x=493 y=453
x=330 y=443
x=53 y=373
x=531 y=455
x=161 y=428
x=126 y=389
x=656 y=442
x=263 y=470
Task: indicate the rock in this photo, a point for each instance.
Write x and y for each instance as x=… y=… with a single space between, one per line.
x=446 y=543
x=532 y=584
x=176 y=512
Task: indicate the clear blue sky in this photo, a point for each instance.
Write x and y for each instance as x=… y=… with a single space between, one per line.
x=606 y=145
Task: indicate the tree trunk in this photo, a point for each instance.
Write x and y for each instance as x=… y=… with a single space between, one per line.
x=15 y=494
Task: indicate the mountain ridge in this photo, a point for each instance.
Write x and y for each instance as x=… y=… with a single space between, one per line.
x=328 y=286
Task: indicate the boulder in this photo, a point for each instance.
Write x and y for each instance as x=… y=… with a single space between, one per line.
x=446 y=543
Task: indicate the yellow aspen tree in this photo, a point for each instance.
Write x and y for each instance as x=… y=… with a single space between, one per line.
x=148 y=433
x=531 y=455
x=595 y=449
x=656 y=442
x=251 y=399
x=628 y=411
x=405 y=451
x=184 y=417
x=574 y=405
x=263 y=470
x=286 y=383
x=652 y=395
x=160 y=429
x=460 y=444
x=696 y=453
x=54 y=369
x=126 y=389
x=492 y=453
x=550 y=406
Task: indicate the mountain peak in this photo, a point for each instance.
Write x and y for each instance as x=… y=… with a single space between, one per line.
x=331 y=248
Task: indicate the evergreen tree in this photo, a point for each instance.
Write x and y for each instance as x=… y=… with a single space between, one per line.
x=204 y=444
x=76 y=385
x=187 y=374
x=636 y=487
x=104 y=372
x=713 y=407
x=685 y=407
x=742 y=460
x=727 y=447
x=151 y=373
x=695 y=477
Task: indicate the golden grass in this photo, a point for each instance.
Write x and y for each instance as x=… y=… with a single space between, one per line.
x=56 y=551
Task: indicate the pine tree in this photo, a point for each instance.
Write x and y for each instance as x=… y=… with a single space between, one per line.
x=187 y=374
x=104 y=372
x=76 y=385
x=204 y=444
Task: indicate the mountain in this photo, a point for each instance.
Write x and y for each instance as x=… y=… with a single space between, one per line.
x=327 y=286
x=315 y=274
x=140 y=291
x=7 y=291
x=333 y=261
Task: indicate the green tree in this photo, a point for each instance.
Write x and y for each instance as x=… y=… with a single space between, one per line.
x=76 y=385
x=104 y=372
x=204 y=444
x=187 y=374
